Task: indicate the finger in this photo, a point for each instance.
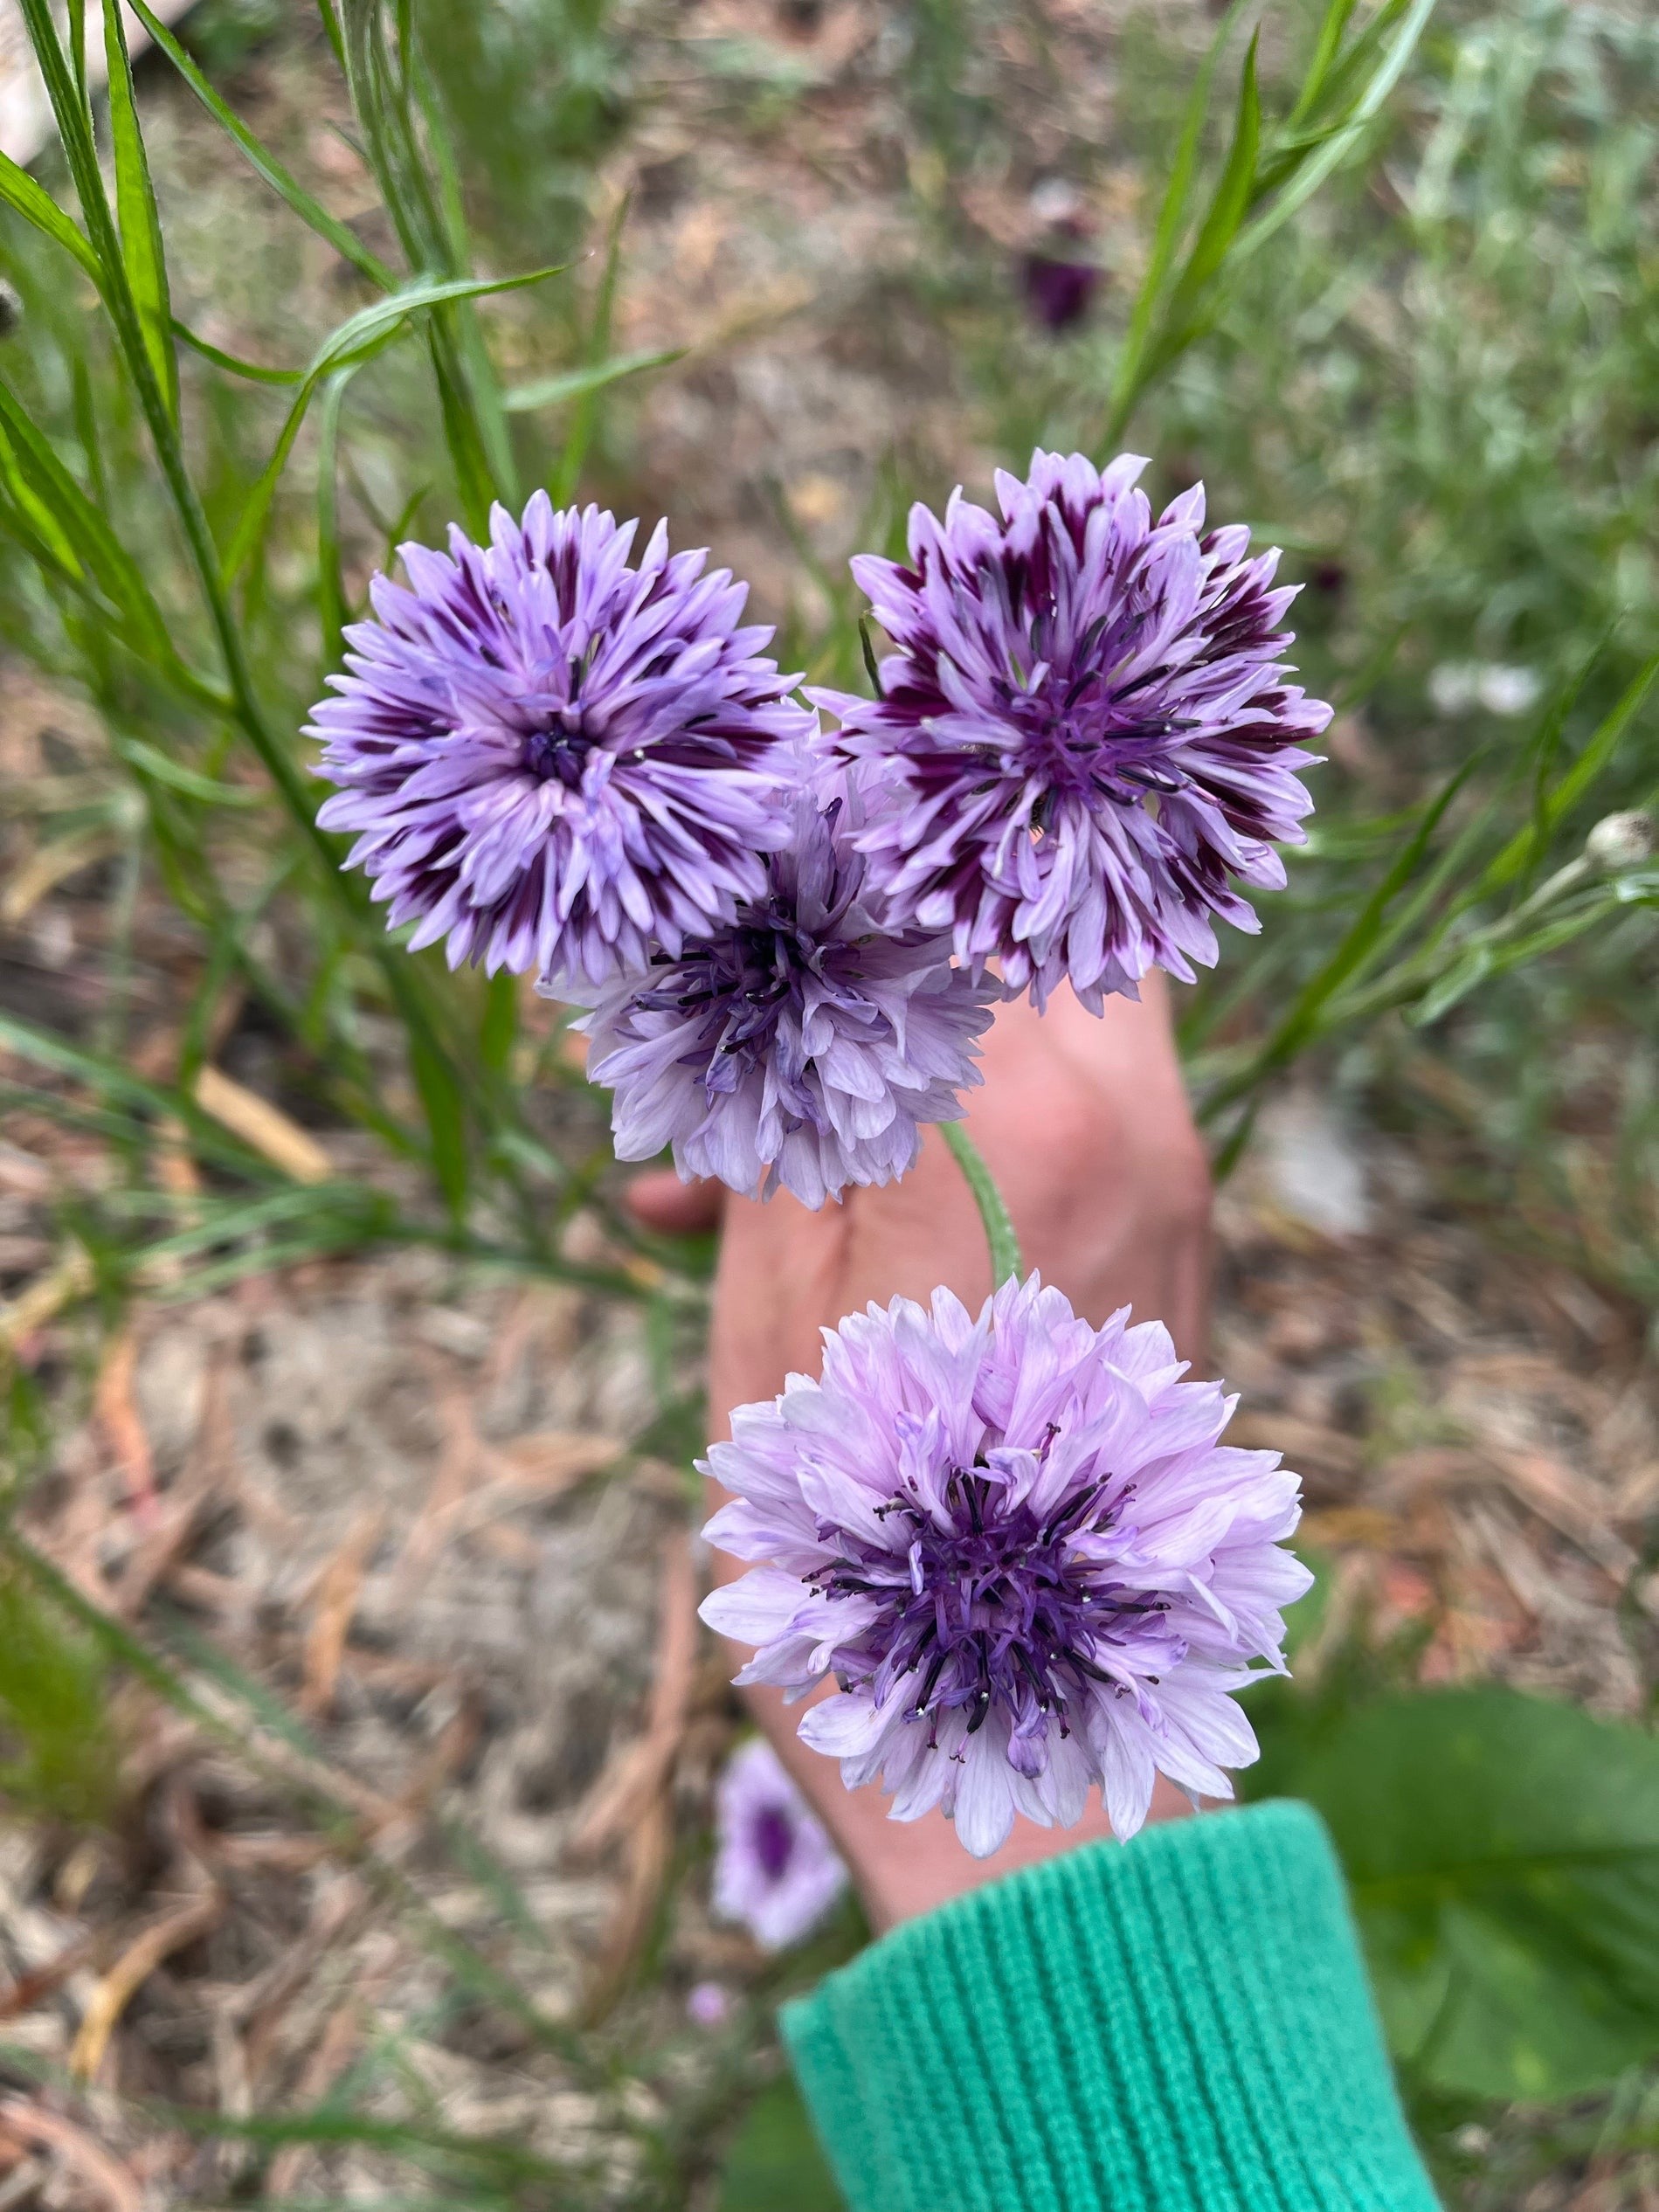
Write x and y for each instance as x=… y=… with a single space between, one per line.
x=660 y=1201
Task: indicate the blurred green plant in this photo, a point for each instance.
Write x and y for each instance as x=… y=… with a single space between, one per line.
x=56 y=1750
x=1503 y=1855
x=158 y=596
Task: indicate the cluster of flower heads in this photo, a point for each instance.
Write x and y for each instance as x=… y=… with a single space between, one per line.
x=1019 y=1549
x=1017 y=1544
x=562 y=762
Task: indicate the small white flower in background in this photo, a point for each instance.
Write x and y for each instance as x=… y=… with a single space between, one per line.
x=1456 y=685
x=1509 y=691
x=1618 y=842
x=776 y=1870
x=707 y=2004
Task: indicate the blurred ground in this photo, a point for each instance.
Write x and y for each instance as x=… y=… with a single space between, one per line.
x=394 y=1524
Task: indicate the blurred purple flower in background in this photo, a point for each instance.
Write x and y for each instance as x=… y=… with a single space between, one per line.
x=554 y=758
x=1058 y=290
x=1092 y=724
x=1020 y=1548
x=802 y=1045
x=707 y=2004
x=776 y=1870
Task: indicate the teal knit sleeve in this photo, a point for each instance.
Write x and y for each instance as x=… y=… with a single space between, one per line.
x=1179 y=2024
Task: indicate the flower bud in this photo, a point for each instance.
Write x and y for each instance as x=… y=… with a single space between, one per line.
x=1618 y=842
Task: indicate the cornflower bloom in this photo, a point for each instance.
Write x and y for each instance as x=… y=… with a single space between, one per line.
x=776 y=1870
x=553 y=759
x=1090 y=716
x=1020 y=1548
x=801 y=1045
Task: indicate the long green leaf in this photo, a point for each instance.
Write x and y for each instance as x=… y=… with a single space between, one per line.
x=37 y=205
x=1357 y=945
x=149 y=761
x=1523 y=849
x=83 y=528
x=445 y=1106
x=357 y=340
x=1232 y=195
x=1326 y=50
x=253 y=370
x=331 y=583
x=141 y=223
x=309 y=210
x=109 y=1079
x=1336 y=149
x=575 y=383
x=1166 y=238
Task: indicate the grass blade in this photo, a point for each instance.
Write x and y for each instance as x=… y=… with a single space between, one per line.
x=80 y=528
x=357 y=340
x=1526 y=844
x=1232 y=195
x=1167 y=236
x=331 y=584
x=1326 y=48
x=237 y=366
x=141 y=224
x=575 y=383
x=36 y=206
x=1336 y=149
x=309 y=211
x=1359 y=945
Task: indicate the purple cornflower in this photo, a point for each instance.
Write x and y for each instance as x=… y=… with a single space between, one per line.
x=553 y=759
x=1017 y=1546
x=1093 y=726
x=776 y=1870
x=800 y=1045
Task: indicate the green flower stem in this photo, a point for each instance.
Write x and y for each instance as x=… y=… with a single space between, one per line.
x=999 y=1230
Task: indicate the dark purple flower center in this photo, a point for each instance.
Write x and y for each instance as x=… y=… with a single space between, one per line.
x=731 y=991
x=558 y=752
x=1079 y=736
x=772 y=1834
x=994 y=1608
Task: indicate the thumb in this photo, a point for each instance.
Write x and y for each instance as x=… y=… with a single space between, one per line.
x=661 y=1202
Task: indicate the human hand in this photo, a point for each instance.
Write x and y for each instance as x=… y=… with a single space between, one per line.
x=1084 y=1123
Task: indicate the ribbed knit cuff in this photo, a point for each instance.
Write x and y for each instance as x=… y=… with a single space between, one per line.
x=1179 y=2024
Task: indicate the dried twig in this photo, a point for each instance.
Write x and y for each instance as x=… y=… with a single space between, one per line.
x=133 y=1968
x=116 y=1413
x=637 y=1774
x=32 y=2124
x=45 y=1299
x=338 y=1590
x=263 y=1126
x=629 y=1804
